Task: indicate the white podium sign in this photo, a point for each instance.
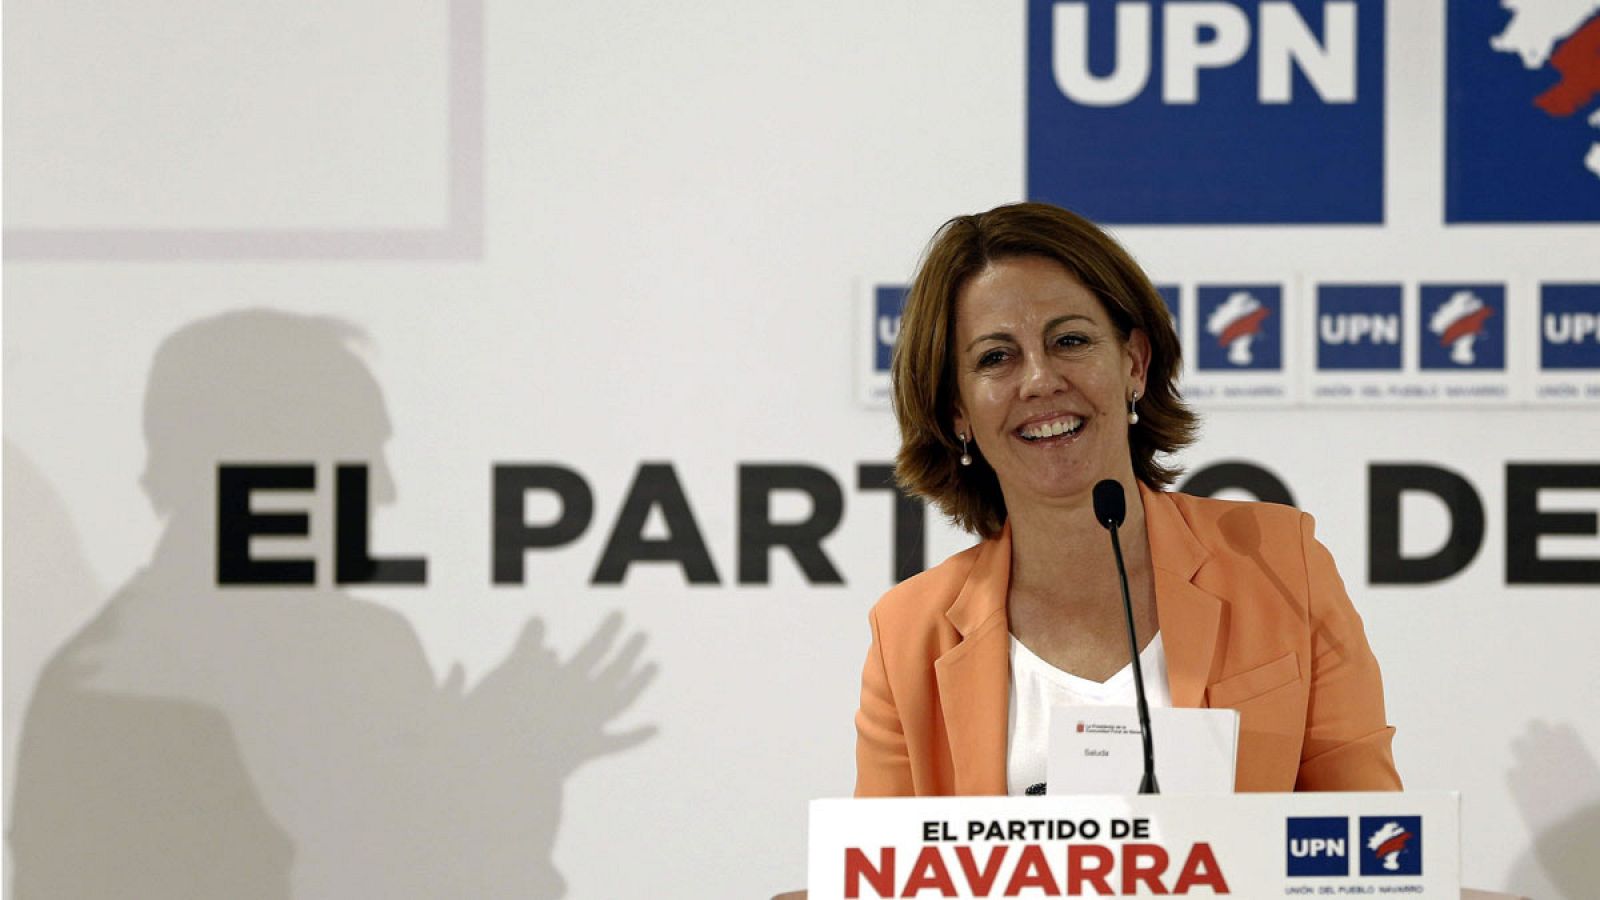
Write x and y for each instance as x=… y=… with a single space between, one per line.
x=1229 y=845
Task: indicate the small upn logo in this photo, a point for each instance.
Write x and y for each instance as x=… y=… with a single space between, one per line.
x=1318 y=846
x=887 y=301
x=1569 y=326
x=1391 y=845
x=1358 y=326
x=1235 y=111
x=1241 y=328
x=1463 y=326
x=1169 y=296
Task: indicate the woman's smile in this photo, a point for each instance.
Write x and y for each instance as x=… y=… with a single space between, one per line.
x=1051 y=430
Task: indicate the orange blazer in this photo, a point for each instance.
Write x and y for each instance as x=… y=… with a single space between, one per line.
x=1253 y=616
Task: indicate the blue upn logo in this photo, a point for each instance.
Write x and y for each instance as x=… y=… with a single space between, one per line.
x=1522 y=122
x=1173 y=112
x=1318 y=845
x=1240 y=328
x=1391 y=845
x=1170 y=296
x=887 y=301
x=1359 y=326
x=1569 y=326
x=1463 y=326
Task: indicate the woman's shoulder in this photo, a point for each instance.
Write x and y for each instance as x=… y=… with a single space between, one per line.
x=1209 y=511
x=1241 y=527
x=929 y=593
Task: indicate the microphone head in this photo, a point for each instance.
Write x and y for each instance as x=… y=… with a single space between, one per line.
x=1110 y=507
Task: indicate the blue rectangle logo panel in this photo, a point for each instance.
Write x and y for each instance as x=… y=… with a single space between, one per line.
x=1240 y=328
x=1522 y=132
x=1172 y=112
x=1391 y=845
x=1569 y=326
x=1318 y=846
x=1170 y=296
x=1359 y=327
x=1463 y=327
x=887 y=302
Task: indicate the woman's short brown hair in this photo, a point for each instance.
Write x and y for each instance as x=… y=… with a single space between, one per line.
x=923 y=371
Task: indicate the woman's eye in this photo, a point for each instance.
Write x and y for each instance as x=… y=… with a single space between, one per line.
x=991 y=358
x=1071 y=340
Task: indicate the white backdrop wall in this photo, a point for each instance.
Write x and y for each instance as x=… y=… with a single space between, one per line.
x=599 y=238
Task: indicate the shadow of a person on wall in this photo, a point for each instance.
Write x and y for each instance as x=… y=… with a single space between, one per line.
x=49 y=587
x=1555 y=782
x=197 y=740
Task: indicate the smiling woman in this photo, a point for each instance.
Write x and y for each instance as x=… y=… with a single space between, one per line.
x=1035 y=360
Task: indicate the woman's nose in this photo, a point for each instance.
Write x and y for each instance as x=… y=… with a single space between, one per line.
x=1040 y=377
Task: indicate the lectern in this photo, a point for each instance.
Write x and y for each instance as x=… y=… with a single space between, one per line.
x=1231 y=845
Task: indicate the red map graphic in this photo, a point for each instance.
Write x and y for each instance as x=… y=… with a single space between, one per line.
x=1578 y=61
x=1393 y=845
x=1249 y=323
x=1471 y=323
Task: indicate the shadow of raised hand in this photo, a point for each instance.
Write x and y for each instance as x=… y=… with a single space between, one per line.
x=1555 y=781
x=535 y=701
x=509 y=744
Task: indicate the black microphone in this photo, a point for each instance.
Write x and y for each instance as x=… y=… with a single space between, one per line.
x=1110 y=508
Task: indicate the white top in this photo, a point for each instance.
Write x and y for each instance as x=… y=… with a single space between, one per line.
x=1037 y=687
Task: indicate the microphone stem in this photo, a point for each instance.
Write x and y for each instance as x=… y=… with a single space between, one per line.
x=1148 y=784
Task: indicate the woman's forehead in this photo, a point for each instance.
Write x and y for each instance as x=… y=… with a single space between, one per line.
x=1027 y=292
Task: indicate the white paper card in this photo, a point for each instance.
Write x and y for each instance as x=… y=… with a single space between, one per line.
x=1099 y=750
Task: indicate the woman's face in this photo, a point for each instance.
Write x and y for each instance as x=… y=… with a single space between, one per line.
x=1044 y=381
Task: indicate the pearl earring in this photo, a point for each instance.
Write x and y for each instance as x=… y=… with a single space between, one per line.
x=966 y=456
x=1133 y=412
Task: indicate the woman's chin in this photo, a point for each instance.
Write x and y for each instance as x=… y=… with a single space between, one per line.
x=1060 y=489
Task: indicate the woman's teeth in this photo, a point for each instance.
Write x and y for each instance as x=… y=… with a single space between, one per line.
x=1052 y=429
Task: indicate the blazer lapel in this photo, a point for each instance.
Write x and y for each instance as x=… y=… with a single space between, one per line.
x=1190 y=618
x=974 y=676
